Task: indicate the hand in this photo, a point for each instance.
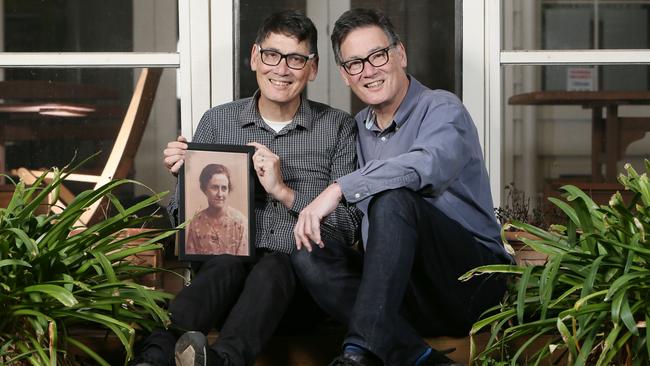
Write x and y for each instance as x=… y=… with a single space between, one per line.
x=308 y=226
x=174 y=155
x=267 y=168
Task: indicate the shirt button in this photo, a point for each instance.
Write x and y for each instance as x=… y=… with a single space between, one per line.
x=357 y=195
x=383 y=138
x=272 y=231
x=275 y=204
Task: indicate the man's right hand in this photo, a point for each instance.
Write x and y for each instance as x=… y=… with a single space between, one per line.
x=174 y=155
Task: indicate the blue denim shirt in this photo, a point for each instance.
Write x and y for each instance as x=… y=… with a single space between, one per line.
x=431 y=147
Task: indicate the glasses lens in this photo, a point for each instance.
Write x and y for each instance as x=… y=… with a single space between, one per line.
x=379 y=58
x=353 y=67
x=271 y=58
x=296 y=61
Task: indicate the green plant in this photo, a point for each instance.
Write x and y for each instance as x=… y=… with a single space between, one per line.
x=590 y=302
x=52 y=280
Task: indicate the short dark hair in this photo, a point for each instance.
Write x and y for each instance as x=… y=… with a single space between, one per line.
x=291 y=23
x=210 y=170
x=360 y=18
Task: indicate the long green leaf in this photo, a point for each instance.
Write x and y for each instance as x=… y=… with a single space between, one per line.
x=64 y=296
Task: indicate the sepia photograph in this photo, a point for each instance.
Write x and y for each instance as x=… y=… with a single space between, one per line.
x=216 y=201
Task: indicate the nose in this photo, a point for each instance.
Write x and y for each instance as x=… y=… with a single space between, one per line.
x=368 y=69
x=282 y=68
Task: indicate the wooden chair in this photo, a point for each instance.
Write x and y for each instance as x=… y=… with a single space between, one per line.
x=120 y=160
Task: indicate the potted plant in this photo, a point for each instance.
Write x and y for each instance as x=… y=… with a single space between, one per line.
x=589 y=303
x=52 y=281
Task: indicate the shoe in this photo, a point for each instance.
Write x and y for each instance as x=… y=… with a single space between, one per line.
x=192 y=350
x=357 y=358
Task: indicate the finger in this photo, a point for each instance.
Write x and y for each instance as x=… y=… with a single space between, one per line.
x=315 y=231
x=296 y=236
x=257 y=145
x=181 y=139
x=176 y=167
x=301 y=237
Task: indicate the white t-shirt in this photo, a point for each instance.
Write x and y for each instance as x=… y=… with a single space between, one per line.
x=276 y=126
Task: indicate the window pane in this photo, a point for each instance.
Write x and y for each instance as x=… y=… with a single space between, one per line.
x=48 y=117
x=557 y=25
x=582 y=131
x=89 y=25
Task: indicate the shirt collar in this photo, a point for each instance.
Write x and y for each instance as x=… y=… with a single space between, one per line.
x=251 y=114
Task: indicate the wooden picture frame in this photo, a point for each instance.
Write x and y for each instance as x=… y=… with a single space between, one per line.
x=217 y=189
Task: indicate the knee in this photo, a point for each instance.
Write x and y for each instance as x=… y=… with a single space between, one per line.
x=307 y=267
x=392 y=201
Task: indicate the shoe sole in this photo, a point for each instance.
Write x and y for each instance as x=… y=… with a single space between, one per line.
x=190 y=350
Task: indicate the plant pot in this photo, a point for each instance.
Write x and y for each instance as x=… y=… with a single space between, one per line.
x=524 y=255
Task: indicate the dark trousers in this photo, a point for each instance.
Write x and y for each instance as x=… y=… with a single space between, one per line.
x=405 y=285
x=245 y=301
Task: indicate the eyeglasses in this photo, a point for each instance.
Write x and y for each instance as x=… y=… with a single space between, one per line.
x=294 y=61
x=376 y=59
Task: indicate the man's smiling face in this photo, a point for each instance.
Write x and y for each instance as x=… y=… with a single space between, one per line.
x=279 y=84
x=375 y=86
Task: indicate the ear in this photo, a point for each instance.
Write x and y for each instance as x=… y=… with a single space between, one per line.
x=344 y=75
x=402 y=55
x=254 y=58
x=313 y=69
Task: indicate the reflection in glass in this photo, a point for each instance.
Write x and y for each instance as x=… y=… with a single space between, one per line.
x=552 y=137
x=58 y=115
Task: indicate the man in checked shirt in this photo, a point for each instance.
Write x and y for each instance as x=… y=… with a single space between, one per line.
x=301 y=147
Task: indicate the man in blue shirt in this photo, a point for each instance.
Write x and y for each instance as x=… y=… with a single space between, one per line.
x=428 y=215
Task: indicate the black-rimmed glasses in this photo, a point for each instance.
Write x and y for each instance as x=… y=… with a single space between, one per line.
x=294 y=61
x=376 y=59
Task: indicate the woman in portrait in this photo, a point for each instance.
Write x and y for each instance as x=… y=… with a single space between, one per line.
x=218 y=229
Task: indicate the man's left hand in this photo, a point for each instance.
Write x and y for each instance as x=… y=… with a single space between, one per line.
x=308 y=226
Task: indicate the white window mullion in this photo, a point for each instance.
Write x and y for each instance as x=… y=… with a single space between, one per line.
x=576 y=57
x=89 y=59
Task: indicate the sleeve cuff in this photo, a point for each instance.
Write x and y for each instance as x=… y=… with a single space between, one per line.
x=299 y=202
x=353 y=187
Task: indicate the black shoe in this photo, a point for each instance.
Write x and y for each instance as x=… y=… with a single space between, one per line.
x=361 y=358
x=192 y=350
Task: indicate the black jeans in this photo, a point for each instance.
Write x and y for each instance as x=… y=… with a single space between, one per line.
x=244 y=300
x=405 y=285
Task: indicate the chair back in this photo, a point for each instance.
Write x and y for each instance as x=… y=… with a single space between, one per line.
x=120 y=161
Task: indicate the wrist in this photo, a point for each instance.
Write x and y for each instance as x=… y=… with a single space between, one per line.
x=285 y=195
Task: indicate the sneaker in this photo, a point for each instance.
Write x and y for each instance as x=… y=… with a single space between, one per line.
x=192 y=350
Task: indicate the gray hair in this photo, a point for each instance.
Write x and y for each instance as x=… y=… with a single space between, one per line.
x=359 y=18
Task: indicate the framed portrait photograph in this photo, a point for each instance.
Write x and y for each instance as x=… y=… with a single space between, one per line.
x=217 y=188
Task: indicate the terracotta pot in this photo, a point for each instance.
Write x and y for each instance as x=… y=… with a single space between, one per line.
x=524 y=255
